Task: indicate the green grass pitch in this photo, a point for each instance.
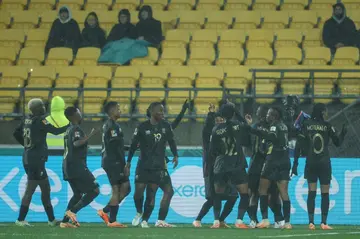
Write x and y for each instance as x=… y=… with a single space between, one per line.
x=95 y=230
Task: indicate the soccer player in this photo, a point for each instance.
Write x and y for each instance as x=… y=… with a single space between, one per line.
x=232 y=195
x=32 y=135
x=113 y=162
x=151 y=171
x=229 y=164
x=317 y=133
x=277 y=165
x=75 y=171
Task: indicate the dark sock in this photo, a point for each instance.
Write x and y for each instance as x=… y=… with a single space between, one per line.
x=311 y=205
x=205 y=209
x=217 y=207
x=84 y=201
x=243 y=205
x=139 y=204
x=286 y=209
x=65 y=219
x=74 y=199
x=276 y=209
x=106 y=209
x=325 y=200
x=163 y=211
x=148 y=208
x=50 y=212
x=23 y=212
x=228 y=207
x=252 y=211
x=113 y=213
x=264 y=206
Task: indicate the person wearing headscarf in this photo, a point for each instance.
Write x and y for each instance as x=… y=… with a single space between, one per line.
x=65 y=32
x=93 y=35
x=124 y=28
x=339 y=30
x=148 y=28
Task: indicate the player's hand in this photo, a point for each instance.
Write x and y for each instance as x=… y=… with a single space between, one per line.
x=294 y=170
x=230 y=103
x=175 y=161
x=127 y=169
x=248 y=119
x=185 y=105
x=344 y=129
x=211 y=108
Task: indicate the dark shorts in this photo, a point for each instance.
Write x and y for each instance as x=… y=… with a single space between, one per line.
x=84 y=183
x=159 y=177
x=235 y=177
x=276 y=172
x=254 y=182
x=116 y=176
x=321 y=172
x=230 y=191
x=36 y=172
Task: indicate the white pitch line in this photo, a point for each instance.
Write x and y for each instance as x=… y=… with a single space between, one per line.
x=301 y=235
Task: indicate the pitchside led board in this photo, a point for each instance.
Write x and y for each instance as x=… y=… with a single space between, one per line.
x=188 y=198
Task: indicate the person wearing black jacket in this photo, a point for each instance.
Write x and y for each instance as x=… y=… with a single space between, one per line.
x=339 y=30
x=93 y=35
x=148 y=28
x=124 y=28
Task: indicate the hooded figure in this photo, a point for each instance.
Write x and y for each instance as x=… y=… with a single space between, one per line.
x=65 y=32
x=124 y=28
x=148 y=28
x=339 y=30
x=92 y=34
x=58 y=120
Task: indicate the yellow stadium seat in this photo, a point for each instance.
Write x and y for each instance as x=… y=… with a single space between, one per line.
x=93 y=107
x=177 y=97
x=150 y=59
x=317 y=56
x=13 y=4
x=303 y=19
x=265 y=88
x=98 y=5
x=6 y=108
x=349 y=85
x=174 y=108
x=218 y=20
x=291 y=5
x=13 y=77
x=259 y=56
x=266 y=4
x=107 y=19
x=126 y=4
x=148 y=96
x=351 y=4
x=204 y=97
x=209 y=76
x=246 y=19
x=167 y=19
x=191 y=20
x=181 y=77
x=232 y=38
x=97 y=76
x=293 y=86
x=13 y=38
x=355 y=16
x=59 y=56
x=321 y=4
x=288 y=38
x=125 y=77
x=209 y=5
x=68 y=77
x=204 y=39
x=323 y=87
x=173 y=56
x=47 y=19
x=324 y=15
x=275 y=20
x=31 y=56
x=181 y=5
x=176 y=38
x=237 y=77
x=42 y=5
x=72 y=4
x=237 y=5
x=288 y=56
x=313 y=38
x=7 y=56
x=87 y=56
x=201 y=56
x=157 y=5
x=5 y=18
x=80 y=17
x=346 y=56
x=124 y=103
x=25 y=19
x=260 y=38
x=40 y=77
x=230 y=56
x=152 y=77
x=37 y=38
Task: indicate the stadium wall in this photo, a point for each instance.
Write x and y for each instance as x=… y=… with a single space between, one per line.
x=189 y=192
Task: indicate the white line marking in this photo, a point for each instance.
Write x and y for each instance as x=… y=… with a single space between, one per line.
x=310 y=234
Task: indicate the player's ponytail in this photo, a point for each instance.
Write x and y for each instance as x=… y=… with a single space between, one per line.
x=318 y=112
x=227 y=111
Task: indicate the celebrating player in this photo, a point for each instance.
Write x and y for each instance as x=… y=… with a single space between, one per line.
x=32 y=135
x=82 y=182
x=317 y=133
x=229 y=163
x=276 y=167
x=152 y=136
x=113 y=162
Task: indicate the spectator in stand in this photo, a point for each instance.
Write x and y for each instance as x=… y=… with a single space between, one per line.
x=339 y=30
x=93 y=35
x=124 y=28
x=65 y=32
x=148 y=28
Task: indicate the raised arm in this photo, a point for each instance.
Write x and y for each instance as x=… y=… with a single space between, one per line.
x=49 y=128
x=178 y=119
x=337 y=139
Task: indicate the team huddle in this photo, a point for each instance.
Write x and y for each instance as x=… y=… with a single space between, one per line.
x=226 y=134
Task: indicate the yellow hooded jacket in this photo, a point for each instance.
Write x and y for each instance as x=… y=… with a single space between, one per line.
x=57 y=119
